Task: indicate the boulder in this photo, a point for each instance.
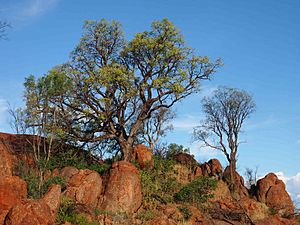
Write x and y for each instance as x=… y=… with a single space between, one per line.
x=84 y=187
x=123 y=189
x=68 y=172
x=185 y=159
x=162 y=220
x=144 y=156
x=30 y=212
x=52 y=198
x=197 y=171
x=240 y=189
x=212 y=168
x=271 y=190
x=12 y=190
x=215 y=167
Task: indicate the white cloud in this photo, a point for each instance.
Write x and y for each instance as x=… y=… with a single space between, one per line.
x=186 y=123
x=3 y=109
x=28 y=9
x=36 y=7
x=298 y=141
x=203 y=153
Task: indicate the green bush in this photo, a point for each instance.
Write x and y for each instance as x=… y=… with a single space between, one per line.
x=186 y=212
x=159 y=184
x=66 y=213
x=198 y=191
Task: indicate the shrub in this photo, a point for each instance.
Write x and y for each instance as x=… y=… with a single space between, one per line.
x=186 y=212
x=66 y=214
x=198 y=191
x=159 y=184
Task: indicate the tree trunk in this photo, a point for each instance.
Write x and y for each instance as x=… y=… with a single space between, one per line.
x=233 y=179
x=127 y=149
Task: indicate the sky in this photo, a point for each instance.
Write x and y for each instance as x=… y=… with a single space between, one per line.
x=258 y=41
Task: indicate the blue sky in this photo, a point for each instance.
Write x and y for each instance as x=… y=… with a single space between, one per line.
x=259 y=42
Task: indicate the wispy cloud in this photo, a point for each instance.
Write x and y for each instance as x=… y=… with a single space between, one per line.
x=3 y=109
x=186 y=122
x=28 y=9
x=203 y=153
x=298 y=141
x=269 y=121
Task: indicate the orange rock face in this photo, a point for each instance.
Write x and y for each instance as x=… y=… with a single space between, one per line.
x=5 y=159
x=144 y=156
x=12 y=190
x=30 y=212
x=123 y=189
x=85 y=187
x=52 y=198
x=271 y=190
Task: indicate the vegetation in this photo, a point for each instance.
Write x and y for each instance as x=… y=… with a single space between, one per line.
x=159 y=185
x=66 y=214
x=225 y=113
x=197 y=192
x=111 y=87
x=186 y=212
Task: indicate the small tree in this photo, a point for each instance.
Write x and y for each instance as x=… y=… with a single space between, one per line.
x=157 y=127
x=111 y=87
x=225 y=113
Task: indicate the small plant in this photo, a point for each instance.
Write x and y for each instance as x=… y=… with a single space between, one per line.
x=145 y=215
x=66 y=214
x=186 y=212
x=198 y=191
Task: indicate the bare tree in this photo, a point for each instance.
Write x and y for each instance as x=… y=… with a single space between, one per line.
x=225 y=113
x=157 y=126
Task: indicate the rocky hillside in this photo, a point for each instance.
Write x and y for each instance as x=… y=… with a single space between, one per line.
x=152 y=190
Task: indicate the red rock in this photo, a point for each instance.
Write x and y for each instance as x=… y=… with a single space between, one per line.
x=185 y=159
x=123 y=189
x=12 y=190
x=275 y=220
x=85 y=188
x=205 y=168
x=215 y=167
x=30 y=212
x=197 y=171
x=68 y=172
x=5 y=160
x=144 y=156
x=162 y=220
x=52 y=198
x=271 y=190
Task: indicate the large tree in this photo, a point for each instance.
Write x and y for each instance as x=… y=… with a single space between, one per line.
x=225 y=113
x=111 y=86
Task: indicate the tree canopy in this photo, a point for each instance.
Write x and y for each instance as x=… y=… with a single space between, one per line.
x=225 y=113
x=111 y=86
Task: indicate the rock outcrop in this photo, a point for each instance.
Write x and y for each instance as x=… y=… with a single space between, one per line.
x=12 y=191
x=52 y=199
x=123 y=189
x=84 y=187
x=144 y=156
x=212 y=168
x=271 y=190
x=30 y=212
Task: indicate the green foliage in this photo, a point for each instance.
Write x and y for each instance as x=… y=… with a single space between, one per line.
x=36 y=187
x=72 y=158
x=198 y=191
x=110 y=86
x=145 y=215
x=174 y=149
x=159 y=185
x=65 y=213
x=186 y=212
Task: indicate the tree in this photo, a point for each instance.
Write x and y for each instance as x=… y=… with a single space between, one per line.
x=225 y=113
x=111 y=87
x=157 y=126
